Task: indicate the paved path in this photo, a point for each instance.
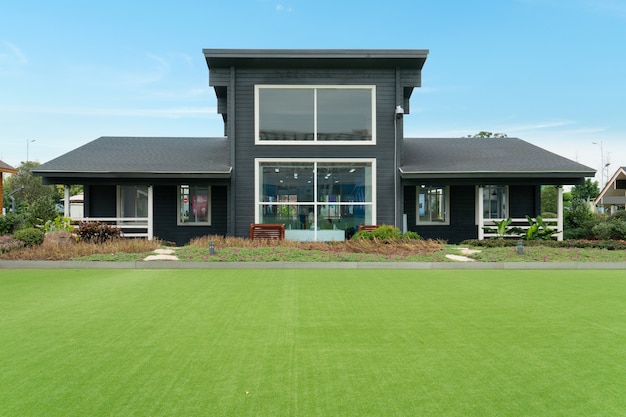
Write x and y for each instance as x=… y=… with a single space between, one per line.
x=162 y=255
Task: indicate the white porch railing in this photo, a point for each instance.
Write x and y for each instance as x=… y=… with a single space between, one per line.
x=555 y=223
x=522 y=224
x=125 y=223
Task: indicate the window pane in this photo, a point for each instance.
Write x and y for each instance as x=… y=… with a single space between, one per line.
x=342 y=202
x=344 y=182
x=432 y=205
x=283 y=178
x=494 y=202
x=286 y=114
x=194 y=204
x=344 y=114
x=134 y=201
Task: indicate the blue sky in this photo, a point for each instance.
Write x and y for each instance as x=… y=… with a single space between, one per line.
x=551 y=72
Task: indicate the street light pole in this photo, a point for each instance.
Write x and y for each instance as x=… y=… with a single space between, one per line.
x=28 y=141
x=602 y=167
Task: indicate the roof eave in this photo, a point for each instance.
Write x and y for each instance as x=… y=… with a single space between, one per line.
x=494 y=174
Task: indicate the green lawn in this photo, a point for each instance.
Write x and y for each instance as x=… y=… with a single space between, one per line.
x=276 y=342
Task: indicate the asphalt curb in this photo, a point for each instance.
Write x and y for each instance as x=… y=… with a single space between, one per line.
x=310 y=265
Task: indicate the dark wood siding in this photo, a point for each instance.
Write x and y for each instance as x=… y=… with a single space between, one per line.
x=524 y=200
x=462 y=215
x=246 y=151
x=102 y=200
x=165 y=215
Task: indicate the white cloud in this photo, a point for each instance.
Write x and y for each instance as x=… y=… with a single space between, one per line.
x=283 y=8
x=11 y=57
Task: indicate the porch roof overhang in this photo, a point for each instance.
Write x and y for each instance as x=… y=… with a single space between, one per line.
x=316 y=58
x=132 y=158
x=477 y=160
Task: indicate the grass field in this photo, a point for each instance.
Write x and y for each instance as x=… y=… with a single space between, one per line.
x=312 y=343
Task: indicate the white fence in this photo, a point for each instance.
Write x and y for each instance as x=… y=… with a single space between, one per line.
x=131 y=224
x=516 y=224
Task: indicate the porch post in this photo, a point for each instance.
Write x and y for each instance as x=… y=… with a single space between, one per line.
x=479 y=214
x=150 y=212
x=559 y=213
x=66 y=200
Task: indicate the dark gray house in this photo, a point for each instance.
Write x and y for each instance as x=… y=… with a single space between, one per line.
x=313 y=139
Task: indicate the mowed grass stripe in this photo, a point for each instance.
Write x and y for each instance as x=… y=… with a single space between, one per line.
x=312 y=342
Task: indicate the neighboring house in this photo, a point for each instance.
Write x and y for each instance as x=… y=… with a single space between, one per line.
x=8 y=169
x=314 y=140
x=613 y=196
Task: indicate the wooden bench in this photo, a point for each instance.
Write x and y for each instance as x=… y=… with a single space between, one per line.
x=368 y=227
x=267 y=231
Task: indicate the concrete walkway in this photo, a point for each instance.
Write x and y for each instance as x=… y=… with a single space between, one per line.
x=162 y=255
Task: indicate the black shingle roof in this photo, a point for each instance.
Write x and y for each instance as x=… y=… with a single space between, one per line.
x=145 y=156
x=484 y=158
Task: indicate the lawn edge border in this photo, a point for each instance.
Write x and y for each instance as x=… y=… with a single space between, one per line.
x=307 y=265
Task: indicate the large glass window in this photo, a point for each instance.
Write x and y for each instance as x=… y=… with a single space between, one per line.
x=194 y=205
x=133 y=202
x=315 y=196
x=308 y=114
x=432 y=205
x=495 y=202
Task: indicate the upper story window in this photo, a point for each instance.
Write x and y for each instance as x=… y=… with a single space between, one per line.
x=315 y=114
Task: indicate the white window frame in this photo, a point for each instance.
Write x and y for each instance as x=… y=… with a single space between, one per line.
x=178 y=208
x=258 y=141
x=315 y=202
x=479 y=195
x=446 y=190
x=120 y=202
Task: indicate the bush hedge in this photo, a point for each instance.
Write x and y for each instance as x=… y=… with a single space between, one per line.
x=31 y=236
x=97 y=232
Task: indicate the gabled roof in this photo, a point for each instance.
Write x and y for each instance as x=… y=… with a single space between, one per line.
x=486 y=158
x=614 y=191
x=145 y=157
x=316 y=58
x=4 y=167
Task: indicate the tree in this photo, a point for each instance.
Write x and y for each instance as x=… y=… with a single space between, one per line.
x=549 y=197
x=587 y=191
x=35 y=200
x=485 y=134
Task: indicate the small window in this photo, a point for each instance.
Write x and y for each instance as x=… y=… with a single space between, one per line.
x=433 y=205
x=495 y=202
x=194 y=205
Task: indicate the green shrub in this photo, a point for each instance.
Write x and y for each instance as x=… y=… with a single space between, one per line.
x=40 y=211
x=619 y=215
x=97 y=232
x=31 y=236
x=386 y=232
x=383 y=232
x=411 y=236
x=10 y=223
x=59 y=224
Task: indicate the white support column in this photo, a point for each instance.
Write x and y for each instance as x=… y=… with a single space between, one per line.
x=559 y=213
x=66 y=200
x=150 y=212
x=479 y=212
